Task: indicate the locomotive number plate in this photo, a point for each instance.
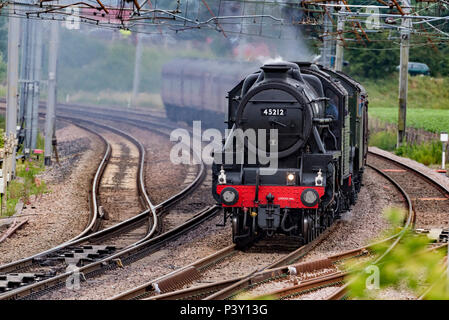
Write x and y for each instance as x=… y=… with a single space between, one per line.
x=274 y=111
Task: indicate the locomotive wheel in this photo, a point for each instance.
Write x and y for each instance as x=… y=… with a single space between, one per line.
x=235 y=227
x=240 y=236
x=308 y=229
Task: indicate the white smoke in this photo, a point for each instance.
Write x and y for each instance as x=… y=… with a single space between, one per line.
x=265 y=60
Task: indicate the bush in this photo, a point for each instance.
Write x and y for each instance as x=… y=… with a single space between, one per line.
x=384 y=140
x=408 y=265
x=425 y=153
x=428 y=153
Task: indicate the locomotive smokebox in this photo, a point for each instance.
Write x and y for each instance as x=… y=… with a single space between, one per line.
x=275 y=99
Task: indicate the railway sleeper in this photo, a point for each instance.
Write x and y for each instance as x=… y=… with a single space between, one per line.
x=15 y=280
x=76 y=255
x=72 y=256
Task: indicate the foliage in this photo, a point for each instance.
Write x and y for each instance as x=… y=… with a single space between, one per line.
x=379 y=57
x=425 y=153
x=373 y=61
x=11 y=206
x=2 y=69
x=384 y=140
x=94 y=65
x=427 y=108
x=4 y=36
x=3 y=91
x=15 y=192
x=408 y=265
x=26 y=184
x=2 y=130
x=31 y=185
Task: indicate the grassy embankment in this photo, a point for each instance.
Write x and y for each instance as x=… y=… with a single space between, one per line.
x=427 y=109
x=26 y=184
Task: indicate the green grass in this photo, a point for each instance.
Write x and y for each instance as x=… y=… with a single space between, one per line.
x=432 y=120
x=2 y=91
x=384 y=140
x=2 y=131
x=428 y=153
x=423 y=92
x=427 y=109
x=427 y=103
x=26 y=183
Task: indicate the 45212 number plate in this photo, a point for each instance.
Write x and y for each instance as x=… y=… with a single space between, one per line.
x=274 y=111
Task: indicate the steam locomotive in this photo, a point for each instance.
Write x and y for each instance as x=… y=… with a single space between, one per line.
x=316 y=121
x=321 y=121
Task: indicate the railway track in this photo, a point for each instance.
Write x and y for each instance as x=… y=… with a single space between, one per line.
x=84 y=247
x=186 y=275
x=336 y=277
x=108 y=256
x=162 y=288
x=429 y=199
x=165 y=287
x=413 y=184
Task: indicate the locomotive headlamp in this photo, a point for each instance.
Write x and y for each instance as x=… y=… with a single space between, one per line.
x=229 y=196
x=319 y=179
x=291 y=178
x=310 y=197
x=222 y=177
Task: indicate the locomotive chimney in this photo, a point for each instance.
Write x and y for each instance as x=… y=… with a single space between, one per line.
x=275 y=71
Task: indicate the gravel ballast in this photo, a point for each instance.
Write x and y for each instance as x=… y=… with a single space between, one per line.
x=363 y=223
x=63 y=212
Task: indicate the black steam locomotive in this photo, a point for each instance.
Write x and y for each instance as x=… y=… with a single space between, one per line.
x=317 y=120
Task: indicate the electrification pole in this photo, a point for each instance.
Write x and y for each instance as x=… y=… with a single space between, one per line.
x=12 y=81
x=50 y=137
x=339 y=48
x=37 y=78
x=29 y=59
x=137 y=69
x=24 y=66
x=403 y=72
